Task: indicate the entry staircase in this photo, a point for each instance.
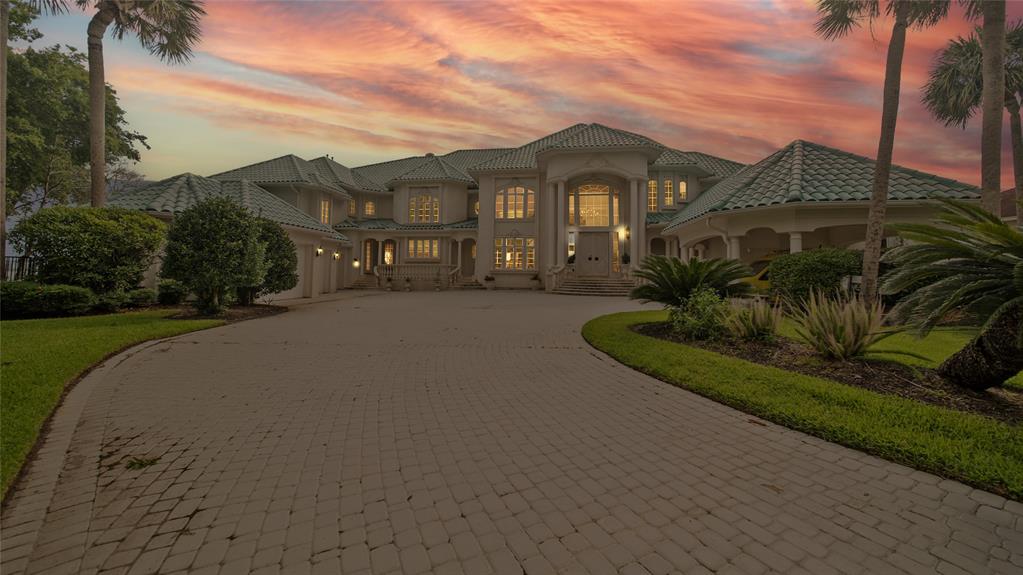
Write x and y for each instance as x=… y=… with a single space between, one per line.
x=573 y=285
x=365 y=281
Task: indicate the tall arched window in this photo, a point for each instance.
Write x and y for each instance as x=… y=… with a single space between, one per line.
x=682 y=189
x=651 y=196
x=593 y=205
x=515 y=203
x=669 y=193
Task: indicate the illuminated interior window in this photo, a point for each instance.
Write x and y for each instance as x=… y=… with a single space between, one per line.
x=423 y=249
x=325 y=211
x=571 y=209
x=594 y=205
x=423 y=206
x=369 y=209
x=388 y=253
x=515 y=253
x=682 y=189
x=351 y=207
x=669 y=193
x=515 y=203
x=476 y=207
x=651 y=196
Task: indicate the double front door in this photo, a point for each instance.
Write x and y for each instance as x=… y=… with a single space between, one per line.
x=593 y=254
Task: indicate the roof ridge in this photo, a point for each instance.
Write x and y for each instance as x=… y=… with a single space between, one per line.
x=868 y=159
x=388 y=162
x=252 y=165
x=796 y=173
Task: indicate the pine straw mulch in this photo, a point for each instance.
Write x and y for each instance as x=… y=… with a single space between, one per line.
x=887 y=377
x=232 y=314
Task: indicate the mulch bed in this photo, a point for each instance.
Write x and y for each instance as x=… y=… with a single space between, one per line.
x=916 y=383
x=232 y=314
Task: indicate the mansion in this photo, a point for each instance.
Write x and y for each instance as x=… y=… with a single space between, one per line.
x=588 y=201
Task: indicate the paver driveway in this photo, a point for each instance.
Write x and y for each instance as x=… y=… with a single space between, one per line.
x=459 y=432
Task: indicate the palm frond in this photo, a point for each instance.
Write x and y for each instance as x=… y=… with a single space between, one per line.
x=836 y=18
x=169 y=29
x=670 y=281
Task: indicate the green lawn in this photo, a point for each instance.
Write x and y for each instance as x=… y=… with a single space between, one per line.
x=38 y=357
x=971 y=448
x=938 y=345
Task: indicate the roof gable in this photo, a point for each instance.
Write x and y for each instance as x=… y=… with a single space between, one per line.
x=434 y=168
x=601 y=136
x=288 y=169
x=719 y=167
x=524 y=157
x=805 y=172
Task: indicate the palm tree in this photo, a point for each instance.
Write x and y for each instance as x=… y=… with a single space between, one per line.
x=670 y=281
x=169 y=29
x=971 y=262
x=836 y=19
x=953 y=90
x=993 y=41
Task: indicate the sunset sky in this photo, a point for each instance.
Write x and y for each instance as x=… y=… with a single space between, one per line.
x=373 y=81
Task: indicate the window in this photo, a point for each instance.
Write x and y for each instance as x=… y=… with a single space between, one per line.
x=388 y=252
x=595 y=205
x=651 y=196
x=669 y=194
x=325 y=211
x=514 y=203
x=351 y=207
x=682 y=189
x=571 y=209
x=515 y=253
x=423 y=208
x=369 y=209
x=423 y=249
x=476 y=207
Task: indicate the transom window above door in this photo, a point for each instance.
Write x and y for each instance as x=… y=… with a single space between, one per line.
x=515 y=203
x=593 y=205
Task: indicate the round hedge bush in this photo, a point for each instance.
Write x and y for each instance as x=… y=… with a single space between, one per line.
x=25 y=300
x=794 y=276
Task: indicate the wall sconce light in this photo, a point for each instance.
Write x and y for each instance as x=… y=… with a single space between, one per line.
x=337 y=255
x=355 y=263
x=627 y=233
x=319 y=251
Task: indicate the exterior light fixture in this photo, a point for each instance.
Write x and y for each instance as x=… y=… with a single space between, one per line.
x=355 y=263
x=319 y=251
x=337 y=255
x=627 y=233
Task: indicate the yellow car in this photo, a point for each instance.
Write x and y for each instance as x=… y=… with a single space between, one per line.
x=761 y=278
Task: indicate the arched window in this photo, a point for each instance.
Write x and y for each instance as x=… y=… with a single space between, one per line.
x=651 y=196
x=682 y=189
x=593 y=205
x=369 y=209
x=514 y=203
x=669 y=194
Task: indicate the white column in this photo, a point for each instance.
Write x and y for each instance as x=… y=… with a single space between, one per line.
x=641 y=246
x=795 y=242
x=560 y=224
x=458 y=246
x=734 y=248
x=633 y=221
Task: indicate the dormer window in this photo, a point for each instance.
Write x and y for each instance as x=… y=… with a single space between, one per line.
x=682 y=190
x=369 y=209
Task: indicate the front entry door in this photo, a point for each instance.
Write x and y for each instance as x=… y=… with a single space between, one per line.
x=591 y=254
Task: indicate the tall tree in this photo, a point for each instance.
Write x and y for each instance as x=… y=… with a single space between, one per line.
x=169 y=29
x=5 y=11
x=956 y=82
x=993 y=42
x=836 y=19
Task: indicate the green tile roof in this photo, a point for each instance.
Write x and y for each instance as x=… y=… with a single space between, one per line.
x=601 y=136
x=663 y=216
x=524 y=157
x=387 y=224
x=289 y=169
x=434 y=168
x=808 y=173
x=465 y=159
x=335 y=173
x=714 y=165
x=178 y=193
x=384 y=172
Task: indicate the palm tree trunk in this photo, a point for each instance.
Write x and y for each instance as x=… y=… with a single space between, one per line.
x=993 y=69
x=989 y=359
x=885 y=148
x=1016 y=130
x=5 y=11
x=97 y=105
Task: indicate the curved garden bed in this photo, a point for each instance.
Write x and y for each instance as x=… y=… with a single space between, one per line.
x=970 y=448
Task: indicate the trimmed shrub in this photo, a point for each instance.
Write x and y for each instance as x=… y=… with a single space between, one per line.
x=111 y=302
x=281 y=258
x=795 y=276
x=171 y=292
x=701 y=317
x=141 y=297
x=207 y=250
x=840 y=327
x=103 y=249
x=24 y=300
x=759 y=322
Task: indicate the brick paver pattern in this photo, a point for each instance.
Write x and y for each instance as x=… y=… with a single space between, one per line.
x=471 y=432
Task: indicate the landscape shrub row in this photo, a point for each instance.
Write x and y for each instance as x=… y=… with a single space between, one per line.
x=28 y=300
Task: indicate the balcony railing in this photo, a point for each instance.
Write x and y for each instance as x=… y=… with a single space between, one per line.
x=419 y=276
